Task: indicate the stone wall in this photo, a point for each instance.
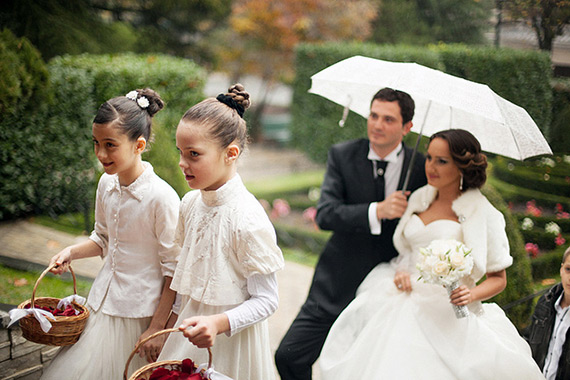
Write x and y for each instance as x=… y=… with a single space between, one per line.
x=19 y=358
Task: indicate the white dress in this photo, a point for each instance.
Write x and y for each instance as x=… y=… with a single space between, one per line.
x=226 y=237
x=388 y=334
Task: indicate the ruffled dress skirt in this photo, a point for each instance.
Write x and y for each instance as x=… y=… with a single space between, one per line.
x=245 y=355
x=101 y=351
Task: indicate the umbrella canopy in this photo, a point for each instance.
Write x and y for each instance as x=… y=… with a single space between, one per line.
x=443 y=101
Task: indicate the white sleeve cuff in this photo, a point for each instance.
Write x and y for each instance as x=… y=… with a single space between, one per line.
x=375 y=225
x=262 y=303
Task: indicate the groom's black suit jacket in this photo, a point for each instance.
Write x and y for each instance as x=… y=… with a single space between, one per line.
x=347 y=191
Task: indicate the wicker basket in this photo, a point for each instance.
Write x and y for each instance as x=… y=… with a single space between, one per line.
x=146 y=371
x=64 y=330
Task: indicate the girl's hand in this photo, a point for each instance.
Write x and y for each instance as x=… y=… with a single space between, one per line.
x=461 y=296
x=62 y=259
x=151 y=349
x=202 y=330
x=402 y=281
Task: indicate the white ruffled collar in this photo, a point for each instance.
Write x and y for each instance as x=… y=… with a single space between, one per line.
x=137 y=188
x=226 y=192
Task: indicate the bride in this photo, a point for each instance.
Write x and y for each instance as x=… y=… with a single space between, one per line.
x=400 y=328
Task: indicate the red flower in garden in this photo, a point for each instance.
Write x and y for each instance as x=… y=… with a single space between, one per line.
x=532 y=249
x=559 y=240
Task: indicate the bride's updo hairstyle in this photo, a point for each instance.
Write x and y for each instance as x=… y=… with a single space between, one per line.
x=131 y=113
x=466 y=153
x=223 y=116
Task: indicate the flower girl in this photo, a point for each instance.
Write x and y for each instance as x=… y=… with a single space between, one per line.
x=135 y=222
x=225 y=278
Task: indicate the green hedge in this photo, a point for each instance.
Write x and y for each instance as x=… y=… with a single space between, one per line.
x=45 y=164
x=519 y=278
x=534 y=176
x=548 y=264
x=46 y=161
x=520 y=76
x=558 y=135
x=523 y=77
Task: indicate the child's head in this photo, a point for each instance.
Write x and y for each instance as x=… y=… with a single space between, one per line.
x=121 y=130
x=131 y=114
x=210 y=137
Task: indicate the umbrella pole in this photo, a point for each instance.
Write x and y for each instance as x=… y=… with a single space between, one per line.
x=413 y=158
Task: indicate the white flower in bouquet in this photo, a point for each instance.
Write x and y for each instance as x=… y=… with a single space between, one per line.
x=444 y=262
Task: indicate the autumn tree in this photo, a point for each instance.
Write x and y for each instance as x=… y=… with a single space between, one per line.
x=262 y=35
x=546 y=17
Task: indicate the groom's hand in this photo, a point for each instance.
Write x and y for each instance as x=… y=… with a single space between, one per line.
x=393 y=206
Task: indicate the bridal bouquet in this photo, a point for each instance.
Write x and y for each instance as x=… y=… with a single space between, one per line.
x=445 y=262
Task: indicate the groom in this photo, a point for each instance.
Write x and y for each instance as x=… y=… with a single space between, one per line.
x=360 y=203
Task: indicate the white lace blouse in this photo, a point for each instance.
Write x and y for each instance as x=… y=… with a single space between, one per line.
x=226 y=237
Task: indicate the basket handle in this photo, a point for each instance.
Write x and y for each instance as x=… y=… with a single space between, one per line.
x=166 y=331
x=54 y=265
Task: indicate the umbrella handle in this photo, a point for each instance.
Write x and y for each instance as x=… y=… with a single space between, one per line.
x=413 y=158
x=345 y=113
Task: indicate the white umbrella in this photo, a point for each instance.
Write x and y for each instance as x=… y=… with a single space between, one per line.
x=443 y=101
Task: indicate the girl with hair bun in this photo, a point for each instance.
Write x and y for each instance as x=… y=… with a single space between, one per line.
x=225 y=277
x=135 y=221
x=400 y=328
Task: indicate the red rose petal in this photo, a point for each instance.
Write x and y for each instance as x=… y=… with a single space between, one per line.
x=188 y=366
x=158 y=373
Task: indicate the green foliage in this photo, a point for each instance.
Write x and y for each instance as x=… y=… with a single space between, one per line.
x=40 y=158
x=314 y=126
x=534 y=175
x=547 y=265
x=519 y=279
x=23 y=74
x=558 y=135
x=58 y=27
x=420 y=22
x=520 y=76
x=514 y=194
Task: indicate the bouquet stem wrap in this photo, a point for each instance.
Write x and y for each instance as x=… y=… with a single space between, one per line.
x=460 y=311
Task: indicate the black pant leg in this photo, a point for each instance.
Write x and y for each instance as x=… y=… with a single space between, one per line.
x=302 y=344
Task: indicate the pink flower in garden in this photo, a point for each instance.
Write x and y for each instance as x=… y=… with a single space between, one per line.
x=309 y=214
x=280 y=208
x=559 y=240
x=532 y=249
x=560 y=213
x=532 y=209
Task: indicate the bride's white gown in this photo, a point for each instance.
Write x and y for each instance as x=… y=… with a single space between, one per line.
x=388 y=334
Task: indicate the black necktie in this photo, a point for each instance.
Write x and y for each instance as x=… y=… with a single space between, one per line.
x=380 y=183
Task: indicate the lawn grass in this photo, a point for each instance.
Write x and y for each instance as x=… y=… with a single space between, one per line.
x=50 y=286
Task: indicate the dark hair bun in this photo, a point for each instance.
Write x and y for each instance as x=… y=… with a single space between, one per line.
x=239 y=95
x=154 y=100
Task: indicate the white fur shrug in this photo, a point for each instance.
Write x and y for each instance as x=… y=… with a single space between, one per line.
x=483 y=228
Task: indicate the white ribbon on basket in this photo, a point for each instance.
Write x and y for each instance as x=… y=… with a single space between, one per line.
x=64 y=302
x=209 y=373
x=39 y=314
